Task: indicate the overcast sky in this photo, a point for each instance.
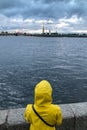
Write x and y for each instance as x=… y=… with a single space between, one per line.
x=57 y=15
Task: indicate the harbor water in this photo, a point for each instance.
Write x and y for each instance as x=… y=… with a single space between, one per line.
x=26 y=60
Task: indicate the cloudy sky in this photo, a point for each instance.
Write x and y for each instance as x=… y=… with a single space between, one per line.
x=57 y=15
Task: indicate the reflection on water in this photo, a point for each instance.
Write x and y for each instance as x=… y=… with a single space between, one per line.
x=24 y=61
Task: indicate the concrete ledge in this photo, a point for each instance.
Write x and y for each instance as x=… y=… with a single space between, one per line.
x=74 y=118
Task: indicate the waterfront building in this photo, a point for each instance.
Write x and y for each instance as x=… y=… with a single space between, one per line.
x=43 y=29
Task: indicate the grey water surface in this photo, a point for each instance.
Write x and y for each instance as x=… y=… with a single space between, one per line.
x=25 y=61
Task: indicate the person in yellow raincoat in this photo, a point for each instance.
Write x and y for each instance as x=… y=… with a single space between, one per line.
x=43 y=115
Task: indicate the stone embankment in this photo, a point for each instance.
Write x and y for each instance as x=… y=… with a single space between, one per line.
x=74 y=118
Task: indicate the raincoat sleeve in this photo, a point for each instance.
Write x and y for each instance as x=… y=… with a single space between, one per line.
x=27 y=113
x=59 y=116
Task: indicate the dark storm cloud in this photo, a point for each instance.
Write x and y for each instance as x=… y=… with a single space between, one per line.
x=7 y=4
x=43 y=8
x=70 y=11
x=77 y=7
x=10 y=8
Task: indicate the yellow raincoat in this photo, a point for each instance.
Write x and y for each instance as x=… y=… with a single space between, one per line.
x=43 y=105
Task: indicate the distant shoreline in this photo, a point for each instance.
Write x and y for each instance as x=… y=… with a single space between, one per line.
x=44 y=35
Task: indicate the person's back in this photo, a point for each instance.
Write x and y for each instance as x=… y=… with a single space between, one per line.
x=49 y=112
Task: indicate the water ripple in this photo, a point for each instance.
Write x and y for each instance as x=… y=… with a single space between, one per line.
x=24 y=61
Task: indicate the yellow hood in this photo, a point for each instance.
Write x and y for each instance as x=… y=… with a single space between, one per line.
x=43 y=105
x=43 y=93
